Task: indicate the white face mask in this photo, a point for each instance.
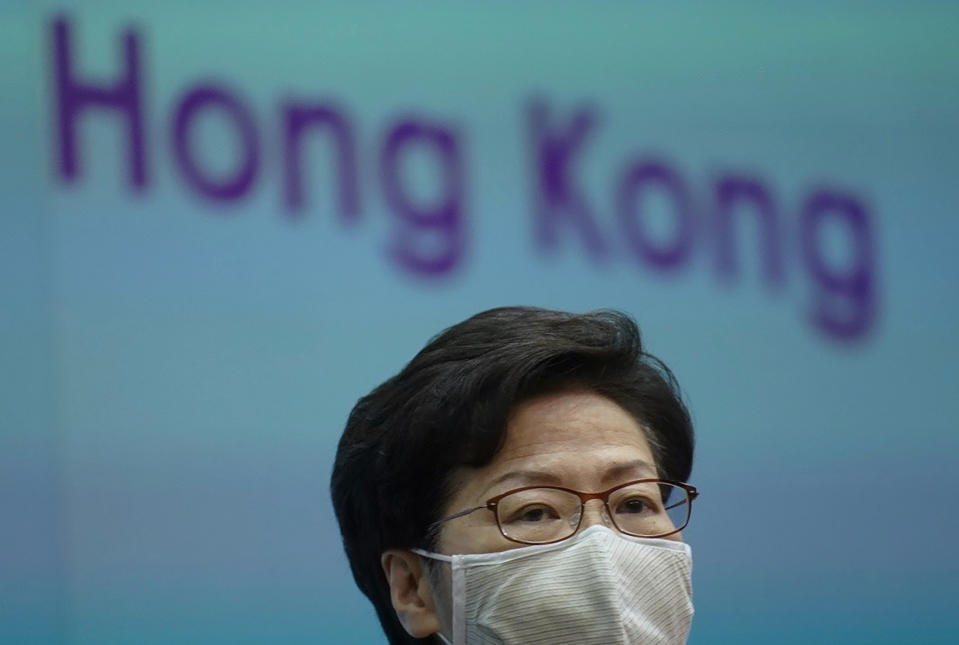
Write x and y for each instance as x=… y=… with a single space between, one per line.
x=597 y=588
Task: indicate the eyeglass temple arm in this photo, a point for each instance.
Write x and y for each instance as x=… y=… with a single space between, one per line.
x=460 y=514
x=691 y=495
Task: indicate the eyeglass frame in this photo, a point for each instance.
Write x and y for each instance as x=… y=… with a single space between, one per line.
x=491 y=504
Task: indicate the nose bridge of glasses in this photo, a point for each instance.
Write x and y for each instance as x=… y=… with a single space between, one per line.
x=594 y=512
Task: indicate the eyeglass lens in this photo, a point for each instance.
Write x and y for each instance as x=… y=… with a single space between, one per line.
x=539 y=515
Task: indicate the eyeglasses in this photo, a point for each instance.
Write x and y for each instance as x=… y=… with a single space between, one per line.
x=649 y=508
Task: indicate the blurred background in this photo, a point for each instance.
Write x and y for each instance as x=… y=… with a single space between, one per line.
x=222 y=223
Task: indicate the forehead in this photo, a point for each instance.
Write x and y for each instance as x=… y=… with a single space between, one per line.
x=577 y=439
x=578 y=419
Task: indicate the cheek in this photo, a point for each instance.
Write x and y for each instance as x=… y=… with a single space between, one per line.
x=440 y=581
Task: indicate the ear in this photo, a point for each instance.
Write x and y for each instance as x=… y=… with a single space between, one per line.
x=411 y=592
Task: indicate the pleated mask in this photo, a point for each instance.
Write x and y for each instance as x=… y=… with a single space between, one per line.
x=600 y=587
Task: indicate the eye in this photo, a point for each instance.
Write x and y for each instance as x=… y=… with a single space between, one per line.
x=635 y=505
x=534 y=514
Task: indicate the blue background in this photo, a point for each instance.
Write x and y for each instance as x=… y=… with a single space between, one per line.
x=176 y=371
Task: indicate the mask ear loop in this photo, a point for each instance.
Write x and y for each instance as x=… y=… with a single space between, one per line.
x=432 y=556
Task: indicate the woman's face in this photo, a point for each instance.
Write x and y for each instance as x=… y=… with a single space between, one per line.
x=575 y=439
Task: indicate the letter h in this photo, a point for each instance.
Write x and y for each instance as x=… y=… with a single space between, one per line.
x=73 y=96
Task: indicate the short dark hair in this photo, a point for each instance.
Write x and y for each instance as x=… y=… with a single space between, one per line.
x=449 y=408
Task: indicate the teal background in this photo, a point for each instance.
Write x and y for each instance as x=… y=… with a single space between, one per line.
x=176 y=373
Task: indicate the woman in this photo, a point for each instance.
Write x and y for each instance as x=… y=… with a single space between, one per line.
x=522 y=480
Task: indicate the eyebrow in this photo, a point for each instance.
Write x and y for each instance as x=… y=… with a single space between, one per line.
x=638 y=467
